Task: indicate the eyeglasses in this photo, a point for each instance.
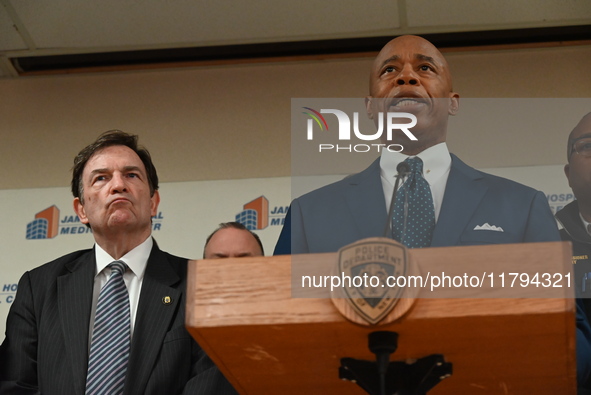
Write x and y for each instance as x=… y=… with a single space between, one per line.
x=582 y=146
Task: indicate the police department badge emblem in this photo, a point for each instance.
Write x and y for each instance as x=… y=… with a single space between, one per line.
x=369 y=269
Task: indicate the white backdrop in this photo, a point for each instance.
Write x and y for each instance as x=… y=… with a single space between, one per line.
x=188 y=213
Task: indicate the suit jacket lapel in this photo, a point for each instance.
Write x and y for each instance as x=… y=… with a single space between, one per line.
x=74 y=294
x=153 y=319
x=463 y=194
x=365 y=199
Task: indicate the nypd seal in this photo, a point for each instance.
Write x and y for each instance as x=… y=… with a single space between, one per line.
x=365 y=268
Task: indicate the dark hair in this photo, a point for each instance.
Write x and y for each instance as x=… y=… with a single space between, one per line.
x=108 y=139
x=235 y=225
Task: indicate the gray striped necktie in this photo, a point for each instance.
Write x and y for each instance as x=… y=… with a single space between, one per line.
x=111 y=337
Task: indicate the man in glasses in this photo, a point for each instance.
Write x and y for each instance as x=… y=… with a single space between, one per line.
x=576 y=216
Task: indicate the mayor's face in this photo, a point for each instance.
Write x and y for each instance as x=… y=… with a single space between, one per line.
x=116 y=192
x=411 y=75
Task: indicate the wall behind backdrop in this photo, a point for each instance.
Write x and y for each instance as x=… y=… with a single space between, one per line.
x=233 y=122
x=219 y=137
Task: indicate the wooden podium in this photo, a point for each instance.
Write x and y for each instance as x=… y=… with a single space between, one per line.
x=241 y=311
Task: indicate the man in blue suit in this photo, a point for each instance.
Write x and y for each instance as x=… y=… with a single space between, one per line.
x=470 y=207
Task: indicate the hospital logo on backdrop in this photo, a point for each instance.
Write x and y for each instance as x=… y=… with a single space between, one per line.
x=256 y=214
x=48 y=224
x=45 y=224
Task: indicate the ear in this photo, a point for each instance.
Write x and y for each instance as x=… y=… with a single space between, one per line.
x=567 y=173
x=368 y=107
x=454 y=103
x=155 y=202
x=79 y=210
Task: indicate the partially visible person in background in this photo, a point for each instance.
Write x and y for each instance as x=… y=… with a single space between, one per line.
x=575 y=217
x=232 y=240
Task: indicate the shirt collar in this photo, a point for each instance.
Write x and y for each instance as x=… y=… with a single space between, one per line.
x=436 y=163
x=136 y=259
x=585 y=224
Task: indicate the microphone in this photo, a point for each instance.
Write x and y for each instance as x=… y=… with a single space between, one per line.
x=403 y=170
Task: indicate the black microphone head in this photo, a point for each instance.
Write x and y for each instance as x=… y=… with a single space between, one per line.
x=403 y=168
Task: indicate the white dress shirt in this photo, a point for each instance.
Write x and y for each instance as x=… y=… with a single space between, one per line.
x=436 y=167
x=586 y=224
x=136 y=261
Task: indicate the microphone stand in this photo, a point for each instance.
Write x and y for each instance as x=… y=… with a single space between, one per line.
x=383 y=377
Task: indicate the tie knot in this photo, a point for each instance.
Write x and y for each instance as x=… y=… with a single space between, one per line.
x=117 y=267
x=416 y=165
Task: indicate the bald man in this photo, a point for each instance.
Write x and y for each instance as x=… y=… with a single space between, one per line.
x=575 y=217
x=469 y=207
x=232 y=240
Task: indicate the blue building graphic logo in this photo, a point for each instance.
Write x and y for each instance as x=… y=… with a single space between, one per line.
x=45 y=224
x=256 y=214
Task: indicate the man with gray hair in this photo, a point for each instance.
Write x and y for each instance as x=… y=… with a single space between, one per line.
x=110 y=319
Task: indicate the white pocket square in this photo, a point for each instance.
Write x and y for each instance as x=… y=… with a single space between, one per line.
x=487 y=226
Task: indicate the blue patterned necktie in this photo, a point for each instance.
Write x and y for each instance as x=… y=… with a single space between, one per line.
x=111 y=337
x=415 y=229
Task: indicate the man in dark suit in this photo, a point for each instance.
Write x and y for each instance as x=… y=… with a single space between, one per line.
x=50 y=330
x=470 y=207
x=575 y=217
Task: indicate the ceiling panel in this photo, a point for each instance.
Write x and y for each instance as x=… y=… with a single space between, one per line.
x=9 y=38
x=95 y=34
x=526 y=13
x=157 y=23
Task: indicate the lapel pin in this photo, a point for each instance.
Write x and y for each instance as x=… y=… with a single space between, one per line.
x=167 y=300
